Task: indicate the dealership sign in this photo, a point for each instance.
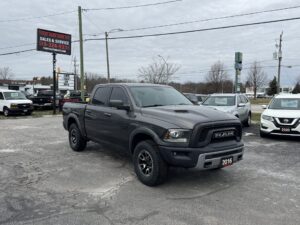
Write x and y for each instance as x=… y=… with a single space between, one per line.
x=66 y=82
x=51 y=41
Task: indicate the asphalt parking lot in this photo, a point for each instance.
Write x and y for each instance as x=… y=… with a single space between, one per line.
x=43 y=182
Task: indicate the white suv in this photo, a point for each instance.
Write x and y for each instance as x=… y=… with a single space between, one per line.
x=282 y=116
x=14 y=102
x=235 y=104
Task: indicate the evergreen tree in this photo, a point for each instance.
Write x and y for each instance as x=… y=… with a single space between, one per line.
x=272 y=87
x=296 y=89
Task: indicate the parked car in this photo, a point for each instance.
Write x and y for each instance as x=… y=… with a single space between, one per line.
x=282 y=116
x=201 y=98
x=14 y=102
x=157 y=126
x=192 y=97
x=235 y=104
x=44 y=99
x=71 y=96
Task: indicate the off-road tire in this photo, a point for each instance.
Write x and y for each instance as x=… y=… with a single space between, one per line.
x=76 y=140
x=159 y=168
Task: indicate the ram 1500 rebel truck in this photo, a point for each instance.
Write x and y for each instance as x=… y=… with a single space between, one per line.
x=158 y=126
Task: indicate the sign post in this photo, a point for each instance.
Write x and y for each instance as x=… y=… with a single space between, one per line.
x=55 y=43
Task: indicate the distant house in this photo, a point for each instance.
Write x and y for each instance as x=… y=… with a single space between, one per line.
x=23 y=85
x=263 y=91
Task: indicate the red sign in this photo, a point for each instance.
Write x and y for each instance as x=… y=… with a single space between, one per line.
x=51 y=41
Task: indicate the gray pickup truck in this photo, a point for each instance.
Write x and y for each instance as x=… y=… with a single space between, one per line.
x=157 y=126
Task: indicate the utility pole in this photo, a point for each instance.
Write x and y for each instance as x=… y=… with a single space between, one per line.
x=75 y=74
x=107 y=57
x=81 y=54
x=238 y=67
x=279 y=63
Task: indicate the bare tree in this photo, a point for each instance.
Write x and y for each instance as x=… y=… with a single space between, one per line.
x=217 y=76
x=256 y=77
x=159 y=72
x=6 y=73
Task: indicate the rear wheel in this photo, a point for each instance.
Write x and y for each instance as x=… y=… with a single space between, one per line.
x=76 y=140
x=6 y=112
x=149 y=167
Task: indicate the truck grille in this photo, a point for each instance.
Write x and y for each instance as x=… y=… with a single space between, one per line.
x=204 y=134
x=23 y=106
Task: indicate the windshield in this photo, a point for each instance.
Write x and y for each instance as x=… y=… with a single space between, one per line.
x=285 y=103
x=192 y=97
x=158 y=96
x=14 y=96
x=220 y=101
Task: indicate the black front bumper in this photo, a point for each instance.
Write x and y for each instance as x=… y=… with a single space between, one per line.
x=207 y=157
x=20 y=111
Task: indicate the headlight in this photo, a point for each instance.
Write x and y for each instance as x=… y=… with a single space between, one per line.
x=177 y=135
x=269 y=118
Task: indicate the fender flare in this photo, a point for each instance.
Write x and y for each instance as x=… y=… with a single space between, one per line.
x=73 y=116
x=145 y=131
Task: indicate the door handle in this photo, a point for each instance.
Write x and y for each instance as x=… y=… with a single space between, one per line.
x=107 y=114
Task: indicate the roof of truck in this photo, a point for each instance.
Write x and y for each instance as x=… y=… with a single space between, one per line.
x=6 y=90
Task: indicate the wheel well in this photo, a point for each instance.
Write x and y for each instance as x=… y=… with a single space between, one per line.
x=137 y=139
x=70 y=121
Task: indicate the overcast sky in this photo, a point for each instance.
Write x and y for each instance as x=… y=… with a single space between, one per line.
x=195 y=52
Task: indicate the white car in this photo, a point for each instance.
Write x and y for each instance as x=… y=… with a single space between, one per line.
x=235 y=104
x=282 y=116
x=14 y=102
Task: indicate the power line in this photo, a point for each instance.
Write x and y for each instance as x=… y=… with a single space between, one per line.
x=179 y=32
x=197 y=30
x=17 y=52
x=37 y=17
x=132 y=6
x=202 y=20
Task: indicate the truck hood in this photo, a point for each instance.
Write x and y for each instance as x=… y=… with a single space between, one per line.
x=186 y=116
x=282 y=113
x=25 y=101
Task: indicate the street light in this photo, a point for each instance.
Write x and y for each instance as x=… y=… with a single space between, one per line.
x=107 y=57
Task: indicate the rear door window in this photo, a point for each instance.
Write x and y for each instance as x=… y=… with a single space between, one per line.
x=101 y=96
x=1 y=96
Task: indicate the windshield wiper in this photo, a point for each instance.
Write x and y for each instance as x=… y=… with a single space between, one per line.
x=155 y=105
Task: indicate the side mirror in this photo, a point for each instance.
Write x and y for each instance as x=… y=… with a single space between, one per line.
x=119 y=104
x=264 y=106
x=241 y=105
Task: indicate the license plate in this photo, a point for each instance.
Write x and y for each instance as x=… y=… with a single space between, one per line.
x=285 y=130
x=227 y=161
x=25 y=110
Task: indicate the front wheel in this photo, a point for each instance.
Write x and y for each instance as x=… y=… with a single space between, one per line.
x=76 y=140
x=149 y=167
x=262 y=134
x=6 y=112
x=247 y=123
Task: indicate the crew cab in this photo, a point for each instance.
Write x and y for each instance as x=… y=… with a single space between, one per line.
x=14 y=102
x=157 y=126
x=282 y=116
